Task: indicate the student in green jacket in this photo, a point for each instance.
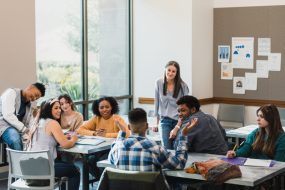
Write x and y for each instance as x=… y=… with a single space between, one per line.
x=267 y=141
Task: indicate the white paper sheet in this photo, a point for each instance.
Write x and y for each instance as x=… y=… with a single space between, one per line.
x=242 y=52
x=262 y=68
x=239 y=85
x=227 y=71
x=88 y=141
x=224 y=53
x=257 y=162
x=264 y=46
x=274 y=62
x=250 y=81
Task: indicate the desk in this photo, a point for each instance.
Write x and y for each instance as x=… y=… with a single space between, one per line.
x=242 y=132
x=251 y=176
x=85 y=151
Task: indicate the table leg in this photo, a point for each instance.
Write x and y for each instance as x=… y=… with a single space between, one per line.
x=85 y=173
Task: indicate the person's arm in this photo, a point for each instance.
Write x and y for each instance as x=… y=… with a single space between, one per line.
x=88 y=128
x=280 y=149
x=121 y=124
x=55 y=129
x=167 y=159
x=246 y=149
x=175 y=130
x=156 y=106
x=8 y=99
x=113 y=156
x=78 y=122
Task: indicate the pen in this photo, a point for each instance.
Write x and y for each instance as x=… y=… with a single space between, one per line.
x=235 y=147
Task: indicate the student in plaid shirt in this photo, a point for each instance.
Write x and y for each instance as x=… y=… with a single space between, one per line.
x=138 y=153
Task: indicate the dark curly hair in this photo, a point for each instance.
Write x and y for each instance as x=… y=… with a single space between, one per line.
x=111 y=100
x=189 y=101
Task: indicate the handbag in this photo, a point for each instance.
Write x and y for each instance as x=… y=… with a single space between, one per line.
x=215 y=170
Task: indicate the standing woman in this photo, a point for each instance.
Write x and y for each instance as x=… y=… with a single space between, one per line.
x=70 y=119
x=167 y=91
x=48 y=135
x=267 y=141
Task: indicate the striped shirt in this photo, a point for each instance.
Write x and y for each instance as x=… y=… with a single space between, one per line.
x=137 y=153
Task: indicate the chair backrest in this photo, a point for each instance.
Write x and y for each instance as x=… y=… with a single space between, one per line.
x=231 y=113
x=113 y=178
x=30 y=165
x=282 y=115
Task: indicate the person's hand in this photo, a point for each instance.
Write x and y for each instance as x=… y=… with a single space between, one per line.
x=189 y=126
x=173 y=133
x=100 y=132
x=155 y=128
x=231 y=154
x=74 y=137
x=26 y=130
x=119 y=123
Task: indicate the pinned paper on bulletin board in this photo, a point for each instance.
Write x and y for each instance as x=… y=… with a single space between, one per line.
x=242 y=52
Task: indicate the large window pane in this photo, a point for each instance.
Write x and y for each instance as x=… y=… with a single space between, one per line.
x=108 y=48
x=58 y=46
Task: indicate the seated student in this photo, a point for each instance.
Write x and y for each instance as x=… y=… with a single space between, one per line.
x=105 y=123
x=70 y=119
x=48 y=134
x=208 y=136
x=138 y=153
x=268 y=140
x=16 y=113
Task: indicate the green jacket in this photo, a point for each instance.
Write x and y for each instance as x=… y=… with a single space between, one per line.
x=246 y=149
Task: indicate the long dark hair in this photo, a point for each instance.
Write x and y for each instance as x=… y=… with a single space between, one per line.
x=46 y=109
x=271 y=115
x=68 y=99
x=177 y=80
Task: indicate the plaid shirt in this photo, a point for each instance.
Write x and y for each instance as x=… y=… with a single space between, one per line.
x=137 y=153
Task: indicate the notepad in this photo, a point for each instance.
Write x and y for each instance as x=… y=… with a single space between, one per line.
x=235 y=161
x=258 y=162
x=90 y=141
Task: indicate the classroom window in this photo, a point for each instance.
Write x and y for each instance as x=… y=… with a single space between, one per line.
x=83 y=48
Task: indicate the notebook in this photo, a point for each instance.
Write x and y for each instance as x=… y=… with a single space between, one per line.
x=90 y=141
x=258 y=162
x=235 y=161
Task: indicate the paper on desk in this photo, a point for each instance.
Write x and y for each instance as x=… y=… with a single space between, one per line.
x=257 y=162
x=90 y=141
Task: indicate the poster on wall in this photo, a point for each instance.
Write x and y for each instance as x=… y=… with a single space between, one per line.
x=224 y=53
x=274 y=62
x=250 y=81
x=262 y=68
x=239 y=85
x=264 y=46
x=227 y=71
x=242 y=52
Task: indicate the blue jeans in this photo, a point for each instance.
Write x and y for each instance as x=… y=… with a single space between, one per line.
x=167 y=124
x=63 y=169
x=12 y=138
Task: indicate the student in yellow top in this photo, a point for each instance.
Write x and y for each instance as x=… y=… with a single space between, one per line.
x=104 y=123
x=105 y=120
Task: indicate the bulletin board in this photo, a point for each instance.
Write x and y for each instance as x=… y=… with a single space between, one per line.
x=256 y=22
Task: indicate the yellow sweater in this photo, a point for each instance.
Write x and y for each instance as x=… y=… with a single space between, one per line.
x=96 y=123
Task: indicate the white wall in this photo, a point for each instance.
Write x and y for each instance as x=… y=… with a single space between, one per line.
x=17 y=43
x=162 y=32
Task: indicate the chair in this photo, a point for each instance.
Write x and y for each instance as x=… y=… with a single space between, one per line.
x=282 y=115
x=30 y=166
x=113 y=178
x=231 y=116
